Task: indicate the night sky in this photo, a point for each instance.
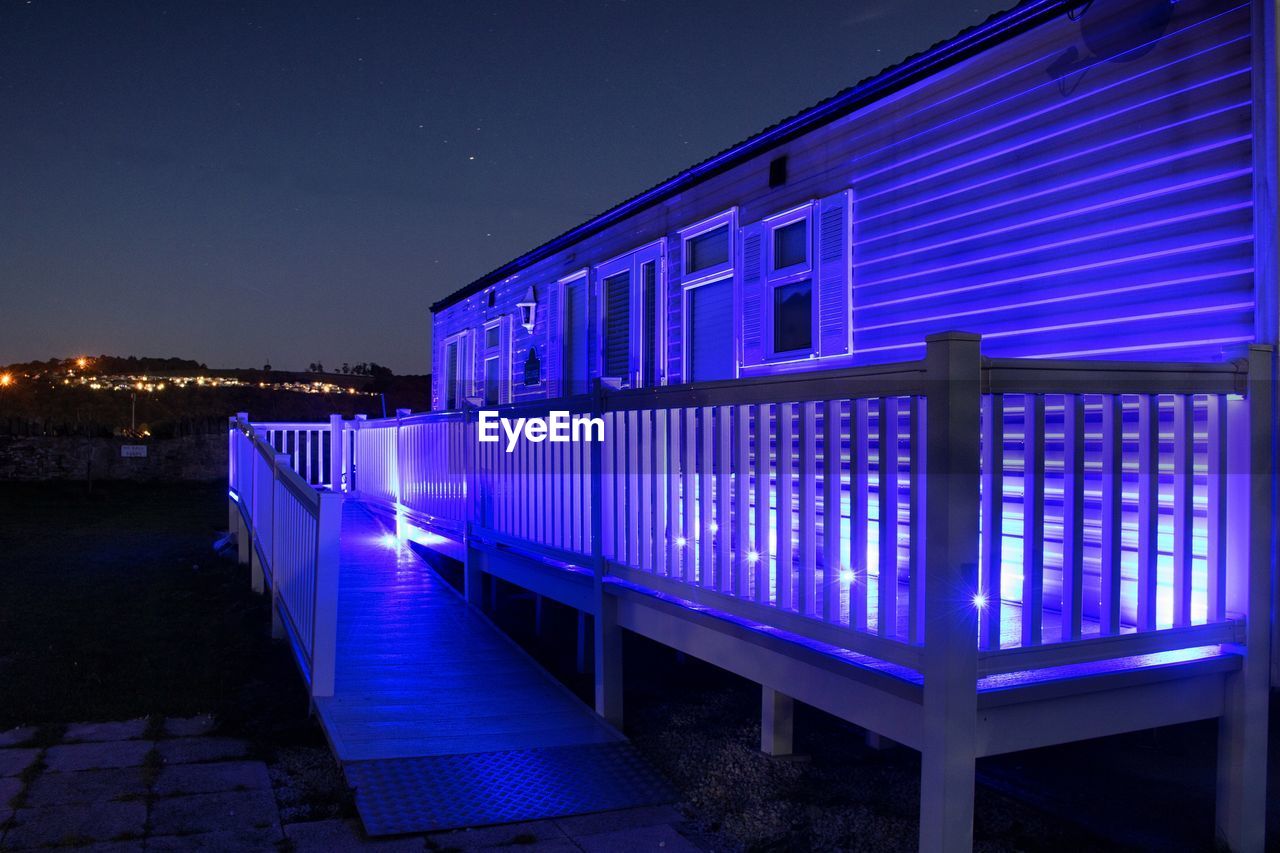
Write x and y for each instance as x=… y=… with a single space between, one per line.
x=291 y=182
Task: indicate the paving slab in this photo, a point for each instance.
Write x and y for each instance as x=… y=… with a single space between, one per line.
x=211 y=778
x=199 y=813
x=189 y=726
x=95 y=756
x=638 y=839
x=322 y=836
x=14 y=761
x=266 y=840
x=17 y=736
x=99 y=732
x=61 y=825
x=87 y=786
x=516 y=835
x=192 y=749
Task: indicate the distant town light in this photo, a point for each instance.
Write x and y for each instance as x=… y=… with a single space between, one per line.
x=6 y=379
x=82 y=363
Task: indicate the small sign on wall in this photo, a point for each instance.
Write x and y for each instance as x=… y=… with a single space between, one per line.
x=137 y=451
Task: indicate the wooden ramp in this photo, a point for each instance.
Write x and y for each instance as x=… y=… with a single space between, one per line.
x=441 y=721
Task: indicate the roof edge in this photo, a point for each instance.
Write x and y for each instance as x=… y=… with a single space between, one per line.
x=964 y=45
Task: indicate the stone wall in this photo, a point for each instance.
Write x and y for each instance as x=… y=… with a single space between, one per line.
x=196 y=457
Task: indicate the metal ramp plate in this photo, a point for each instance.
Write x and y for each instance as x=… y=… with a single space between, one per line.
x=439 y=792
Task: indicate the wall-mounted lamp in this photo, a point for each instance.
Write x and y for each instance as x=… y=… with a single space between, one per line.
x=527 y=307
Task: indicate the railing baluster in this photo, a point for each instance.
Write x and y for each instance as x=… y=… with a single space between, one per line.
x=784 y=565
x=807 y=583
x=1216 y=519
x=706 y=524
x=1032 y=519
x=992 y=519
x=741 y=473
x=887 y=498
x=832 y=483
x=916 y=537
x=724 y=523
x=661 y=494
x=762 y=527
x=689 y=434
x=1111 y=515
x=859 y=513
x=1148 y=508
x=645 y=475
x=1183 y=492
x=1073 y=452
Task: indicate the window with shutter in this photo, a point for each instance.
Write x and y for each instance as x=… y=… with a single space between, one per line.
x=786 y=292
x=631 y=295
x=574 y=337
x=752 y=289
x=617 y=325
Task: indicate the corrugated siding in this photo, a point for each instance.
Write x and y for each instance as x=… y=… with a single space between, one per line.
x=1103 y=214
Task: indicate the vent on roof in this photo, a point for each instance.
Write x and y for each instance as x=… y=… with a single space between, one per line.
x=492 y=298
x=778 y=171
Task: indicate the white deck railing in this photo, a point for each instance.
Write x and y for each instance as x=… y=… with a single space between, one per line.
x=293 y=529
x=1111 y=515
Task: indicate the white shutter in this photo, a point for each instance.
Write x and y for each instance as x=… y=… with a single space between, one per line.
x=835 y=320
x=753 y=286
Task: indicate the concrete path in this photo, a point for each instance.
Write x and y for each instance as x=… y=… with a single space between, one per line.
x=132 y=786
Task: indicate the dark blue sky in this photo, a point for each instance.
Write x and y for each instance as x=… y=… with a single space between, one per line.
x=283 y=181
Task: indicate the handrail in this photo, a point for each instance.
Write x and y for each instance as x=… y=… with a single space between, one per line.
x=1049 y=376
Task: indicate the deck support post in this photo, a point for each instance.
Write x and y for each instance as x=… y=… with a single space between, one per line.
x=1242 y=730
x=777 y=722
x=582 y=643
x=949 y=658
x=324 y=642
x=606 y=634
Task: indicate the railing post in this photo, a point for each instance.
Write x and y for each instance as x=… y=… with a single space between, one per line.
x=949 y=657
x=337 y=472
x=1242 y=729
x=352 y=471
x=324 y=640
x=607 y=635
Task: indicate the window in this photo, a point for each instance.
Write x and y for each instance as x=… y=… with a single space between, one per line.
x=630 y=320
x=709 y=247
x=494 y=389
x=789 y=297
x=793 y=317
x=708 y=250
x=456 y=373
x=574 y=336
x=791 y=244
x=617 y=325
x=492 y=386
x=710 y=346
